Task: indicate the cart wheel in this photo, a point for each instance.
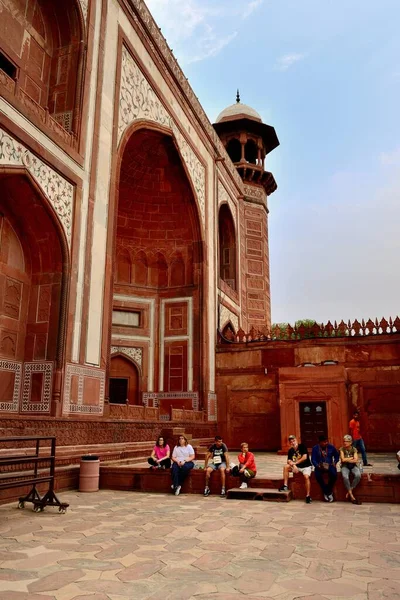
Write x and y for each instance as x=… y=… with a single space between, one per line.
x=21 y=504
x=62 y=510
x=37 y=508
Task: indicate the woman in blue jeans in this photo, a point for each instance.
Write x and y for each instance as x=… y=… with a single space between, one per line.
x=349 y=464
x=182 y=463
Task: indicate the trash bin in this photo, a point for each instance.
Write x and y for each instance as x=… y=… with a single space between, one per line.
x=89 y=473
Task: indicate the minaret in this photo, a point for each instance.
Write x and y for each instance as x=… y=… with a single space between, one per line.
x=248 y=141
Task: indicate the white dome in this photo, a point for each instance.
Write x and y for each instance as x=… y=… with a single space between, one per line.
x=238 y=110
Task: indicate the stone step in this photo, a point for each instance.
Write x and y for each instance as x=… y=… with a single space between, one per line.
x=268 y=494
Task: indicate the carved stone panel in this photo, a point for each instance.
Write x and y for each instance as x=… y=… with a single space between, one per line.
x=57 y=190
x=81 y=396
x=135 y=353
x=44 y=304
x=8 y=343
x=12 y=298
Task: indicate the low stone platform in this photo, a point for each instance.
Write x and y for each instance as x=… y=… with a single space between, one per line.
x=372 y=488
x=268 y=494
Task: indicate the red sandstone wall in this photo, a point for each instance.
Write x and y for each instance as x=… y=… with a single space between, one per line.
x=75 y=432
x=249 y=395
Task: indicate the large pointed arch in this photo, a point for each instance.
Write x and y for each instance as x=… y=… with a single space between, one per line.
x=35 y=289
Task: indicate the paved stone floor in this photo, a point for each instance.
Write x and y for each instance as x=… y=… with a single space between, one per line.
x=131 y=546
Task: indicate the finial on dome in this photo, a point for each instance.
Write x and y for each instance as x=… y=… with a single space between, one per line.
x=237 y=97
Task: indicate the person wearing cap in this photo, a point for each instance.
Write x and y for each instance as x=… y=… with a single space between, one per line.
x=324 y=457
x=298 y=461
x=349 y=464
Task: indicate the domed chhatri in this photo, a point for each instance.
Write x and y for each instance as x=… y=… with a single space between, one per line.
x=247 y=141
x=238 y=111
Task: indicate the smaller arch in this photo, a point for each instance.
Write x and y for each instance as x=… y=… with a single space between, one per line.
x=177 y=270
x=251 y=152
x=228 y=332
x=124 y=379
x=159 y=271
x=234 y=149
x=227 y=246
x=124 y=266
x=140 y=268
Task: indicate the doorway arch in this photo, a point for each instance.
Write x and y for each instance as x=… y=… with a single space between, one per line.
x=124 y=380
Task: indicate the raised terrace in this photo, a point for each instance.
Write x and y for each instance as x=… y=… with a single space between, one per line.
x=123 y=466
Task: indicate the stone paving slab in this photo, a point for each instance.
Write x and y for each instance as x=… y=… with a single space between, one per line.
x=130 y=546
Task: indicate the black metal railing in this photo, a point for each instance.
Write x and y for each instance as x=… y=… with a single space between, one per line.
x=39 y=468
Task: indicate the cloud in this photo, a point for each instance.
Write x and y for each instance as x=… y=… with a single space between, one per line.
x=200 y=29
x=251 y=7
x=284 y=62
x=212 y=46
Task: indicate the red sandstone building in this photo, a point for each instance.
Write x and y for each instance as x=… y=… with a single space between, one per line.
x=131 y=232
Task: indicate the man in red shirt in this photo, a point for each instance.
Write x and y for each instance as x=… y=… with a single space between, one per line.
x=358 y=442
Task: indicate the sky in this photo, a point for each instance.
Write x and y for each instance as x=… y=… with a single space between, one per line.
x=326 y=75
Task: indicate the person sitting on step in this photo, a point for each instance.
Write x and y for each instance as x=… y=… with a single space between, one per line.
x=298 y=461
x=247 y=466
x=182 y=463
x=160 y=456
x=324 y=457
x=349 y=464
x=216 y=459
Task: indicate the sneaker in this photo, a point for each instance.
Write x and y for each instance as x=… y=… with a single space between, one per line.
x=207 y=492
x=223 y=493
x=243 y=486
x=326 y=497
x=368 y=465
x=308 y=500
x=283 y=488
x=178 y=490
x=172 y=487
x=330 y=497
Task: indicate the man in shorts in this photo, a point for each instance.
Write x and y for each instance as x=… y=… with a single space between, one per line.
x=216 y=460
x=298 y=461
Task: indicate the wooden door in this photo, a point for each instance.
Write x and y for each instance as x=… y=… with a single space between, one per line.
x=313 y=422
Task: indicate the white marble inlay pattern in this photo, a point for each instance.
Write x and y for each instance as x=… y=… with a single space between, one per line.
x=29 y=369
x=135 y=353
x=81 y=373
x=57 y=190
x=226 y=315
x=85 y=7
x=137 y=100
x=16 y=368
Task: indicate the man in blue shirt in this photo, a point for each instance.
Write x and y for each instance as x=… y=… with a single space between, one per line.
x=324 y=457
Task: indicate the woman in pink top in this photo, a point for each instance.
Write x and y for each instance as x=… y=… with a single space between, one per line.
x=160 y=456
